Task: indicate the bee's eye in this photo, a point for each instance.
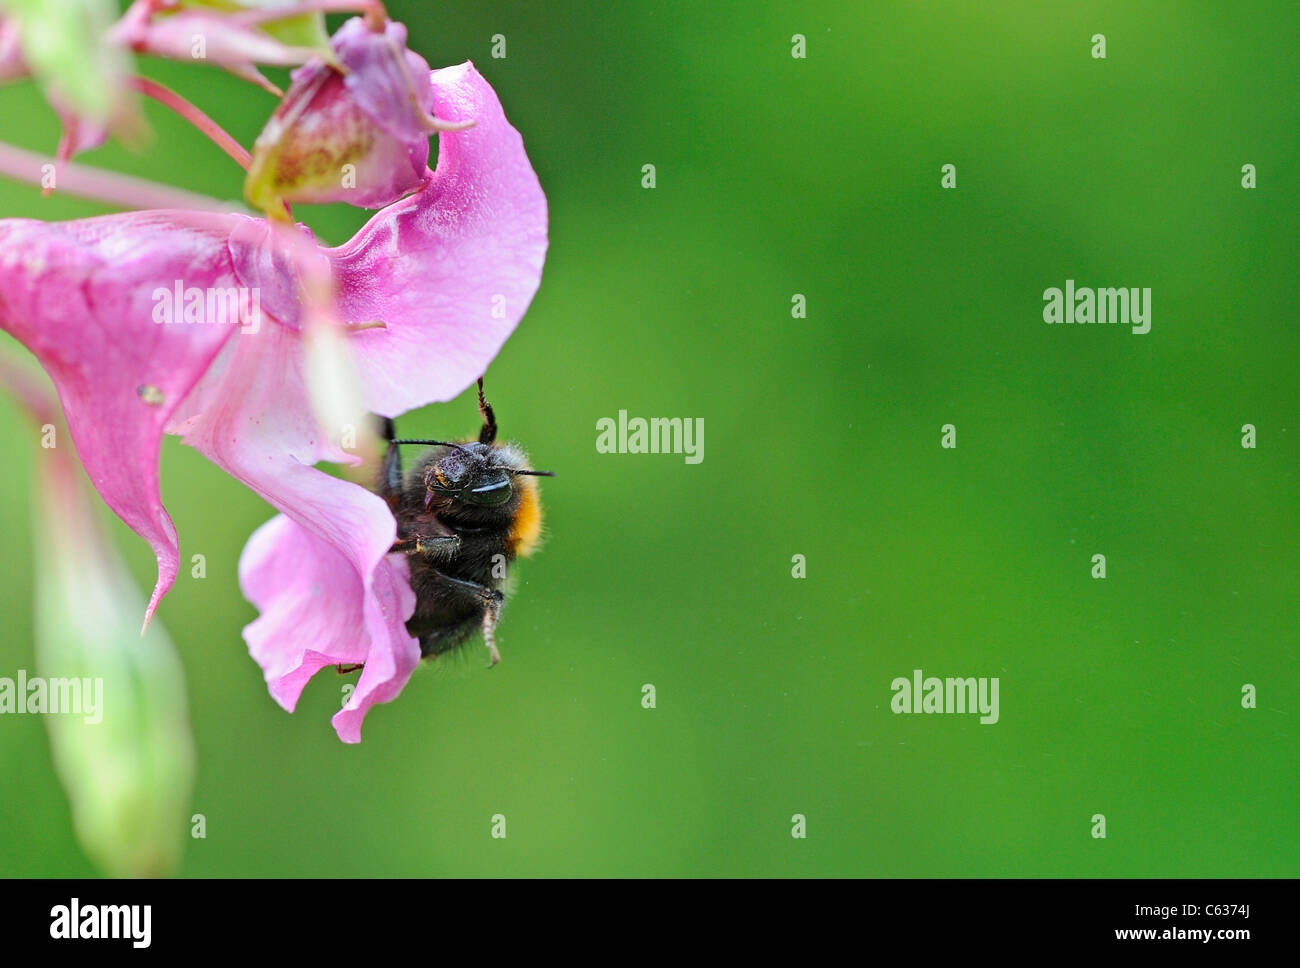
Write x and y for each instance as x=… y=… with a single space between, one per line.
x=490 y=492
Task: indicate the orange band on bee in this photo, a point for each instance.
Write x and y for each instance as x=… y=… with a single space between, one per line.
x=526 y=531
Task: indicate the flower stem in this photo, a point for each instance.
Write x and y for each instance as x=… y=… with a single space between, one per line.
x=120 y=191
x=194 y=116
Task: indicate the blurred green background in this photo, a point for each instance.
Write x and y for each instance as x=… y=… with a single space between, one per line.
x=818 y=176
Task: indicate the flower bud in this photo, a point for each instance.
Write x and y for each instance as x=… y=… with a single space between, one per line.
x=113 y=699
x=355 y=133
x=126 y=759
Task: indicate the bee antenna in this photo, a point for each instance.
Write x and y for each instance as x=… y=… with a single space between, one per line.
x=429 y=443
x=489 y=432
x=536 y=473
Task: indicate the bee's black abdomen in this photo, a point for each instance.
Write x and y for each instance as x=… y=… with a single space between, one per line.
x=453 y=593
x=444 y=638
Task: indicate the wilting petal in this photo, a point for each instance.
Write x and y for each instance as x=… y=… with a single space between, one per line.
x=329 y=557
x=80 y=296
x=451 y=269
x=358 y=134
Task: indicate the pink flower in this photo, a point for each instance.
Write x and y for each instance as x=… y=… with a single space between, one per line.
x=87 y=298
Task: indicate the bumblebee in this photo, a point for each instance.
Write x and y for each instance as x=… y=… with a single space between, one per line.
x=464 y=512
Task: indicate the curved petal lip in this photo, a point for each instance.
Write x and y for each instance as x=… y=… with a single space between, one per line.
x=452 y=269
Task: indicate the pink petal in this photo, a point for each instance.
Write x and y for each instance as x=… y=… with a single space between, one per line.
x=79 y=133
x=303 y=587
x=330 y=557
x=392 y=659
x=79 y=295
x=12 y=64
x=435 y=265
x=227 y=43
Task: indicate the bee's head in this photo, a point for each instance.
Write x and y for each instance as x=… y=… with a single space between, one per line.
x=479 y=480
x=472 y=475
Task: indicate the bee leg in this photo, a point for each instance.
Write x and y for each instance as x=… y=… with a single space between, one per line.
x=343 y=671
x=390 y=477
x=417 y=544
x=436 y=642
x=491 y=600
x=490 y=615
